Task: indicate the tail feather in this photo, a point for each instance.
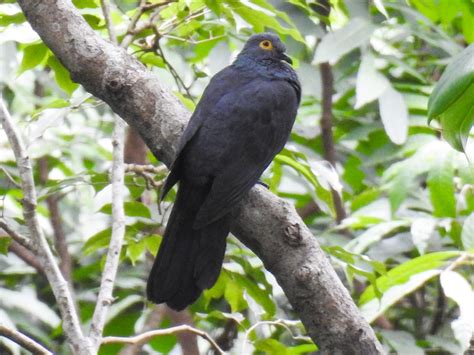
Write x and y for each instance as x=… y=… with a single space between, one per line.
x=189 y=260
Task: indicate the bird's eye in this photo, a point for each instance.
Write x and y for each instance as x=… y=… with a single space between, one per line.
x=266 y=44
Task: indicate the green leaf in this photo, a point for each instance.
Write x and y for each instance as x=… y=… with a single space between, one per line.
x=271 y=346
x=152 y=243
x=135 y=250
x=5 y=242
x=467 y=235
x=403 y=272
x=234 y=294
x=152 y=59
x=132 y=209
x=262 y=297
x=83 y=4
x=265 y=18
x=62 y=76
x=322 y=194
x=340 y=42
x=451 y=100
x=10 y=19
x=97 y=241
x=33 y=55
x=441 y=187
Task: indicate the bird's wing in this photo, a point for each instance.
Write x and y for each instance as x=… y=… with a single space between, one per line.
x=227 y=80
x=261 y=115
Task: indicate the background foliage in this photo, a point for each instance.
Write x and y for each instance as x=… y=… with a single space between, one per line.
x=405 y=247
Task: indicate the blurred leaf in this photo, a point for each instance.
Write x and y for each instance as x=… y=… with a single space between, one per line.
x=271 y=347
x=132 y=209
x=373 y=235
x=422 y=230
x=152 y=243
x=5 y=242
x=262 y=297
x=135 y=250
x=370 y=83
x=97 y=241
x=83 y=4
x=62 y=76
x=33 y=55
x=403 y=273
x=458 y=289
x=375 y=307
x=322 y=194
x=441 y=186
x=402 y=342
x=451 y=100
x=26 y=301
x=261 y=15
x=467 y=235
x=340 y=42
x=394 y=114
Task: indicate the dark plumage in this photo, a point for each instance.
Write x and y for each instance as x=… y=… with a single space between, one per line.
x=242 y=121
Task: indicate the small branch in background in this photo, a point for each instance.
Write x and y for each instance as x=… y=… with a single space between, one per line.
x=327 y=82
x=147 y=336
x=108 y=21
x=60 y=243
x=153 y=319
x=323 y=9
x=27 y=256
x=105 y=297
x=438 y=314
x=227 y=337
x=24 y=341
x=71 y=325
x=187 y=340
x=21 y=239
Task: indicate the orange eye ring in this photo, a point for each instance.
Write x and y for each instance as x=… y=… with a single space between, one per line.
x=266 y=45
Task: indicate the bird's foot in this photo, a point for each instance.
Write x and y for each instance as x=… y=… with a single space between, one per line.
x=260 y=182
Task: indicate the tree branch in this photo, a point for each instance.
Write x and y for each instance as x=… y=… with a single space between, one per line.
x=147 y=336
x=24 y=341
x=27 y=256
x=38 y=241
x=105 y=299
x=265 y=223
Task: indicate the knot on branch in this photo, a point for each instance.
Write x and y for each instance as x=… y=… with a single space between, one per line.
x=293 y=234
x=304 y=275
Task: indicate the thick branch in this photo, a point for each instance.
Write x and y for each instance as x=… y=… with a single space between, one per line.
x=39 y=244
x=268 y=225
x=24 y=341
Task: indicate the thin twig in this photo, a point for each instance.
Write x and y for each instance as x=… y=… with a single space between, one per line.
x=10 y=178
x=105 y=5
x=144 y=337
x=23 y=340
x=27 y=256
x=60 y=243
x=58 y=284
x=109 y=274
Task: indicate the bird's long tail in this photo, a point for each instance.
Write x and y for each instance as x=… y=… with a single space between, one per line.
x=189 y=260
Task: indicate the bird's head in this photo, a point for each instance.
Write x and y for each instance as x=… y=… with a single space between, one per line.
x=264 y=47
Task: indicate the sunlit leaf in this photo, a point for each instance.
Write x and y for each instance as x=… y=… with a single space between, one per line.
x=451 y=100
x=340 y=42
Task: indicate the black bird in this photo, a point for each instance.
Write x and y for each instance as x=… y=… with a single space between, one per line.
x=242 y=121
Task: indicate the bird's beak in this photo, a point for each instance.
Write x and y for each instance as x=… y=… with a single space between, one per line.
x=286 y=58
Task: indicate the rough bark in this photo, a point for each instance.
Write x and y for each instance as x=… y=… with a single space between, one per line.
x=267 y=224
